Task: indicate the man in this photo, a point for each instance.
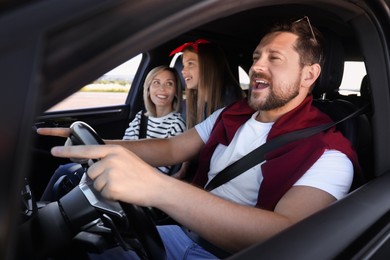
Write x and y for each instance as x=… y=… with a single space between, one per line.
x=294 y=181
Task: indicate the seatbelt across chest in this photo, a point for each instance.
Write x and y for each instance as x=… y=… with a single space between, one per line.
x=258 y=155
x=143 y=126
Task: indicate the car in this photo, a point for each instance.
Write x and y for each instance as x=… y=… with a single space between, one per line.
x=51 y=49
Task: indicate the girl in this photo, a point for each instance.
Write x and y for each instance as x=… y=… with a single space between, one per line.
x=210 y=84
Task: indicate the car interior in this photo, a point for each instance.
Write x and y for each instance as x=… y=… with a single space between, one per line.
x=75 y=53
x=238 y=44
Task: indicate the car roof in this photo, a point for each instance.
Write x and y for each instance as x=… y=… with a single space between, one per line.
x=80 y=29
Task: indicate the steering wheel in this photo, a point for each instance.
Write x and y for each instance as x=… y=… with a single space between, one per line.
x=140 y=222
x=83 y=217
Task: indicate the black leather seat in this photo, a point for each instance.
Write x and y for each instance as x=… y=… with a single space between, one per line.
x=327 y=99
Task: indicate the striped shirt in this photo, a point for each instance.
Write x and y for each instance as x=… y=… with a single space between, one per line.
x=157 y=127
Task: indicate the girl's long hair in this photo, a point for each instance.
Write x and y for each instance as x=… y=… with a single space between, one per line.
x=214 y=77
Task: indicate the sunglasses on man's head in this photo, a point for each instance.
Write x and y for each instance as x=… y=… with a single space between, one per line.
x=306 y=18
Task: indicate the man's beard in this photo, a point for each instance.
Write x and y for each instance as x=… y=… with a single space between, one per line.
x=274 y=100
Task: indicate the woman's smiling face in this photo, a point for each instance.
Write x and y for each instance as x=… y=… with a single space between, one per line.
x=163 y=89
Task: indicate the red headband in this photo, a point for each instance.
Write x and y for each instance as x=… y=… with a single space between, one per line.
x=194 y=45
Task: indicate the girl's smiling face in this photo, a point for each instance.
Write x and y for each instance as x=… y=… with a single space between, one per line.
x=190 y=69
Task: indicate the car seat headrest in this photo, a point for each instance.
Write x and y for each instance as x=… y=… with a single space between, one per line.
x=365 y=88
x=331 y=75
x=177 y=64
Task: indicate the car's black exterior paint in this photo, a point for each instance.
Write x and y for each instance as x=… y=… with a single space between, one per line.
x=51 y=48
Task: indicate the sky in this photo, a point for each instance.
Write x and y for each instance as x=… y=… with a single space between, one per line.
x=127 y=68
x=356 y=72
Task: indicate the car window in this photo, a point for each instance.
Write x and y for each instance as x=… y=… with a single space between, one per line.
x=244 y=78
x=354 y=71
x=110 y=89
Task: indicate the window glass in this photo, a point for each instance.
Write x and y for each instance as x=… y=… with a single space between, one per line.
x=352 y=77
x=354 y=72
x=109 y=90
x=244 y=78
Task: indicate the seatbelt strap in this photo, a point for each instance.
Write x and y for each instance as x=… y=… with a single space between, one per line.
x=143 y=126
x=258 y=155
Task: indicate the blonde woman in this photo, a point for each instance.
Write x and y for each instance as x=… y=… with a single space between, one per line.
x=162 y=98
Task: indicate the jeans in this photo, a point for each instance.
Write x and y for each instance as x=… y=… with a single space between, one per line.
x=178 y=246
x=57 y=186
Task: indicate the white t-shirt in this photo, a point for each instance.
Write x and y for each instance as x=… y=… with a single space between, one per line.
x=333 y=171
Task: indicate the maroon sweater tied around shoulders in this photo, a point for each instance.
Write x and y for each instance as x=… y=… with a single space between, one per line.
x=284 y=165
